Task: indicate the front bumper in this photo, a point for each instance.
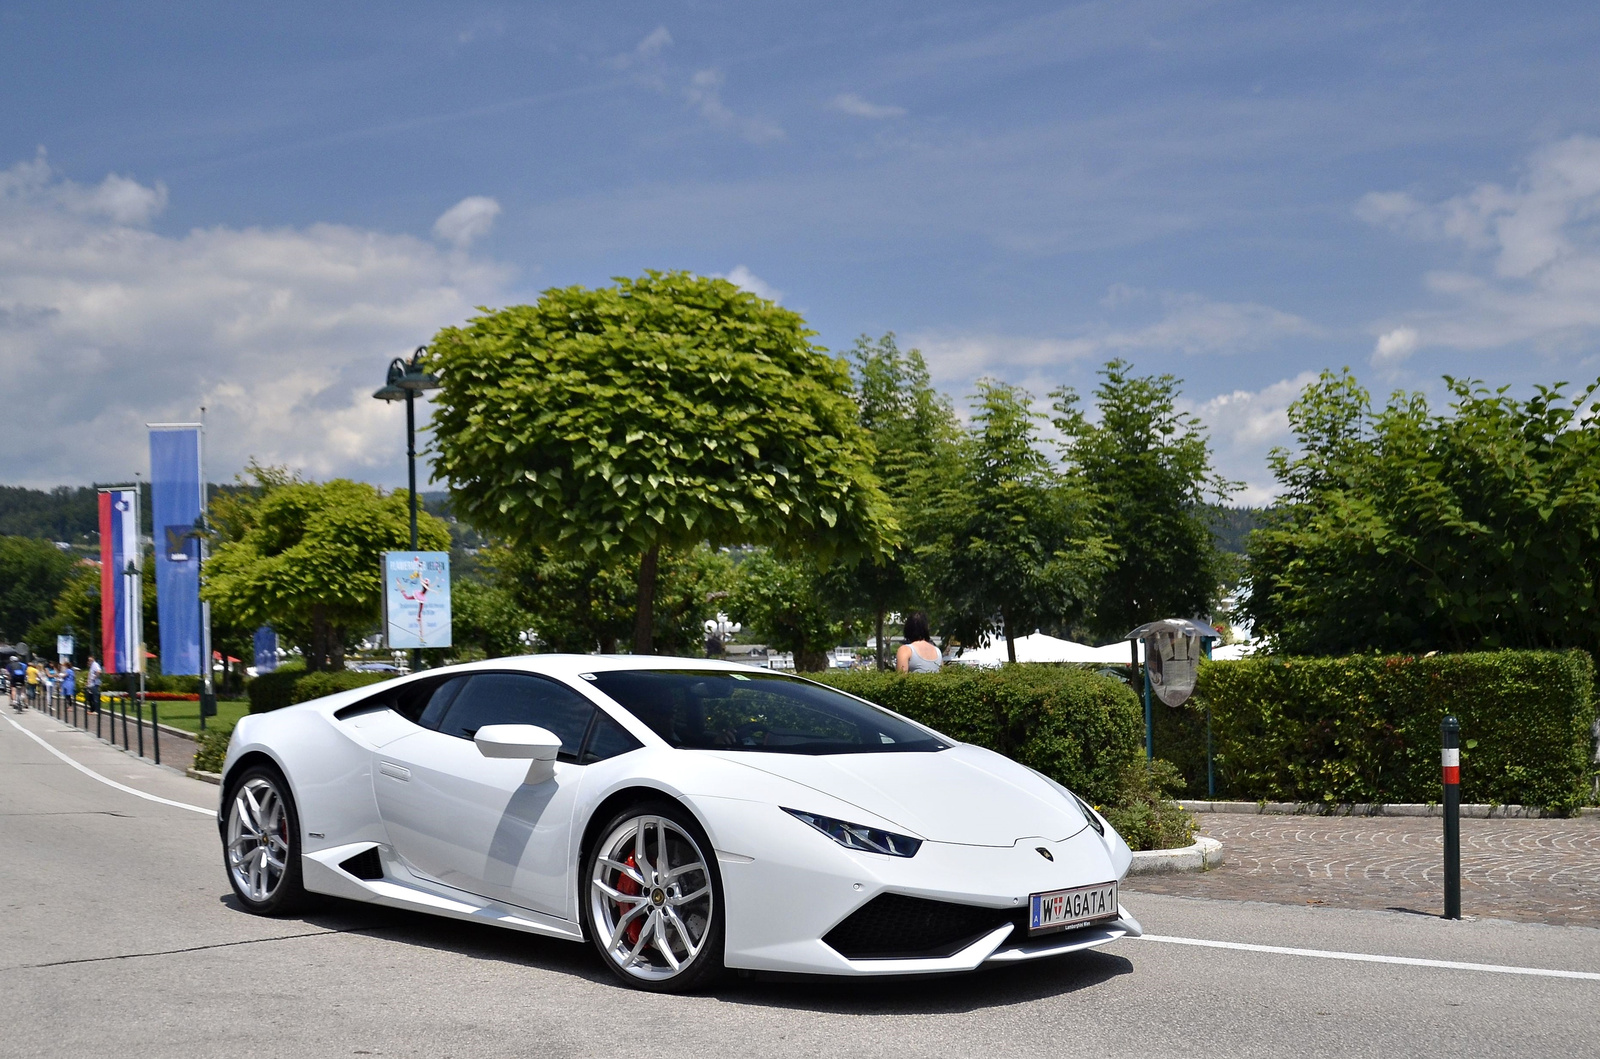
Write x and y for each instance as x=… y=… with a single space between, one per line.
x=786 y=887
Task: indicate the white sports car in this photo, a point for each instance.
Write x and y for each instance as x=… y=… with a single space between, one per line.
x=683 y=815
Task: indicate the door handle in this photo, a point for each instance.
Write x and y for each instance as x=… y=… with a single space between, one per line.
x=394 y=771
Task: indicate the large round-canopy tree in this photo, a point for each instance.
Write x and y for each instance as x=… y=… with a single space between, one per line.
x=659 y=413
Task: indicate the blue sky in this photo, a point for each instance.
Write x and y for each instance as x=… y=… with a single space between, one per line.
x=254 y=209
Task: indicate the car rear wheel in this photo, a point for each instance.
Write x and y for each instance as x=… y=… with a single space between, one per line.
x=261 y=843
x=653 y=906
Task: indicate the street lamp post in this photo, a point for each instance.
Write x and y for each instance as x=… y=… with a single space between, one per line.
x=405 y=380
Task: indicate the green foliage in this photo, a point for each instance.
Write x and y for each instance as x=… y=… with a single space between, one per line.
x=1403 y=530
x=65 y=513
x=586 y=604
x=1080 y=729
x=212 y=749
x=32 y=575
x=914 y=432
x=1145 y=814
x=667 y=411
x=1004 y=542
x=1366 y=728
x=304 y=558
x=285 y=687
x=1149 y=466
x=486 y=618
x=788 y=605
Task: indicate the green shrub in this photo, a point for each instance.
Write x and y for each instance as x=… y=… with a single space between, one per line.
x=1080 y=729
x=274 y=691
x=1144 y=814
x=1366 y=728
x=213 y=748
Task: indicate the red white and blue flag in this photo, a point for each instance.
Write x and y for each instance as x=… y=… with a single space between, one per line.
x=119 y=590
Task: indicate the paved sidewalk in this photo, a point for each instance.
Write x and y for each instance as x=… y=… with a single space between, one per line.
x=177 y=749
x=1544 y=871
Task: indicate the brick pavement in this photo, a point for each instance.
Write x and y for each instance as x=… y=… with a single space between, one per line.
x=1545 y=871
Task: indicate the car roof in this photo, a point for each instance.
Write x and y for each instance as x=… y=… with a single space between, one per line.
x=572 y=666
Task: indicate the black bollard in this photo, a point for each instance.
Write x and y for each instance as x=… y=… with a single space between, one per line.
x=1450 y=758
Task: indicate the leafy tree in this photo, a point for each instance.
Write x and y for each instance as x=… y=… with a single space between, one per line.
x=587 y=604
x=783 y=603
x=914 y=431
x=1150 y=467
x=1406 y=530
x=304 y=558
x=486 y=618
x=32 y=575
x=651 y=416
x=1006 y=542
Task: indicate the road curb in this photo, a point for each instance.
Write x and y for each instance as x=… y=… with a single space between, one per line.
x=1483 y=812
x=214 y=778
x=1205 y=854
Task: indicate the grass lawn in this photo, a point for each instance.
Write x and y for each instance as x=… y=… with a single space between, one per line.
x=186 y=715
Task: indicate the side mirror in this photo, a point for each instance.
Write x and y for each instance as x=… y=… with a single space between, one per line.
x=538 y=746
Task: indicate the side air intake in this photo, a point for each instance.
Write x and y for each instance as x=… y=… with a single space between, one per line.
x=896 y=926
x=364 y=865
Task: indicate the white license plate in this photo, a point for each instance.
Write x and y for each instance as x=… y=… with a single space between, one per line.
x=1066 y=908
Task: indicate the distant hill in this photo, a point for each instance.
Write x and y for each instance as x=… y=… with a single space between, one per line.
x=1232 y=525
x=65 y=513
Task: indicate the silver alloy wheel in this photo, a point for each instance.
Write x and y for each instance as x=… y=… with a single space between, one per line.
x=650 y=898
x=258 y=839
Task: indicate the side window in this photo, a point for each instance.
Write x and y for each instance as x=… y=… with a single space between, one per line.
x=519 y=698
x=430 y=707
x=607 y=738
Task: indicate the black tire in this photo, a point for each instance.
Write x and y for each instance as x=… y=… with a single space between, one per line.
x=282 y=891
x=683 y=835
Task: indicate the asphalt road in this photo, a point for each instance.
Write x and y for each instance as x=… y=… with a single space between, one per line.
x=118 y=937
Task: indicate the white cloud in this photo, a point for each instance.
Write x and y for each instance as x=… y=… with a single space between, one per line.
x=704 y=93
x=648 y=48
x=281 y=333
x=1184 y=323
x=744 y=279
x=1531 y=268
x=1244 y=426
x=1395 y=346
x=855 y=106
x=467 y=220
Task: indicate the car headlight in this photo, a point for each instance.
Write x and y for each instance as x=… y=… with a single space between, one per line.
x=859 y=836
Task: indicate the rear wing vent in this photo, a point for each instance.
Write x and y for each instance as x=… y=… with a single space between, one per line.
x=364 y=865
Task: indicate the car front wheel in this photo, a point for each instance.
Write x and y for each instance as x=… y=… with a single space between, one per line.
x=261 y=843
x=654 y=901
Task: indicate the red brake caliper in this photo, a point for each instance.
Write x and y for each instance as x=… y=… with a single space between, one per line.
x=626 y=885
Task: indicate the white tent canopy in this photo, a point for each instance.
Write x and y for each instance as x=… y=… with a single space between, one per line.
x=1037 y=647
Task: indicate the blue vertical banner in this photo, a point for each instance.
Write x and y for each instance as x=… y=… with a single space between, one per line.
x=120 y=590
x=175 y=504
x=266 y=650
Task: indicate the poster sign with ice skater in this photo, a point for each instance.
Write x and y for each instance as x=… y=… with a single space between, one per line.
x=416 y=599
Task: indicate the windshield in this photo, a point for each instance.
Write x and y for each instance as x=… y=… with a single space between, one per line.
x=696 y=709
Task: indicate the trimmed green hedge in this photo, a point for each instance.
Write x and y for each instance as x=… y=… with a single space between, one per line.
x=1366 y=728
x=274 y=691
x=1080 y=729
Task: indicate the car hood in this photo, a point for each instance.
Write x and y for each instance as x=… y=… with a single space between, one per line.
x=964 y=795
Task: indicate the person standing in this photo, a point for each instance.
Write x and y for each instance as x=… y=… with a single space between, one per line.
x=18 y=677
x=92 y=684
x=32 y=677
x=918 y=654
x=69 y=685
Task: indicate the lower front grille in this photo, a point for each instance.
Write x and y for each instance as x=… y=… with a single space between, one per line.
x=894 y=926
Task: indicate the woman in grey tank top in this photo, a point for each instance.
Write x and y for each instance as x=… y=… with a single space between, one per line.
x=917 y=654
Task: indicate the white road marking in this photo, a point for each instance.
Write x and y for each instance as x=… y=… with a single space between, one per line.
x=1365 y=957
x=108 y=781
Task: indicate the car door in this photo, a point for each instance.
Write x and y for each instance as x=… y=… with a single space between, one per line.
x=473 y=822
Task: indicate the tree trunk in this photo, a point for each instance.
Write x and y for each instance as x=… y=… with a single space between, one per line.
x=808 y=661
x=881 y=666
x=316 y=661
x=336 y=648
x=1011 y=641
x=644 y=620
